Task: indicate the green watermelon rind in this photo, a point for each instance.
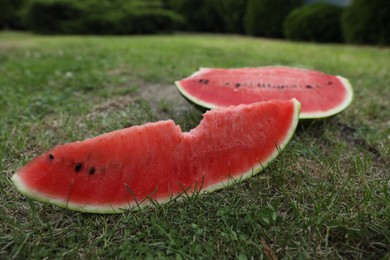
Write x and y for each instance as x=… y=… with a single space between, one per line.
x=313 y=115
x=113 y=208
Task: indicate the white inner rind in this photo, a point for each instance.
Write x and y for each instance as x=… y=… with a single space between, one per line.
x=193 y=98
x=308 y=115
x=104 y=209
x=114 y=208
x=331 y=112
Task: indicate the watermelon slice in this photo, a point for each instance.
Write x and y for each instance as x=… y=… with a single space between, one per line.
x=321 y=95
x=155 y=162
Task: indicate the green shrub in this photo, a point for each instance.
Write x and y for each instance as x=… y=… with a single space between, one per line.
x=103 y=17
x=319 y=22
x=200 y=15
x=210 y=15
x=10 y=14
x=96 y=23
x=171 y=4
x=141 y=21
x=54 y=17
x=149 y=21
x=266 y=17
x=232 y=13
x=367 y=22
x=142 y=4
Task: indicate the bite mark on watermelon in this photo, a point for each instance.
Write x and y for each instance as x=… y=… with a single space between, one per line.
x=126 y=168
x=321 y=95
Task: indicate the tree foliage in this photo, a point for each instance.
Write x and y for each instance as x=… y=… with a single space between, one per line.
x=367 y=22
x=266 y=17
x=318 y=22
x=103 y=17
x=10 y=13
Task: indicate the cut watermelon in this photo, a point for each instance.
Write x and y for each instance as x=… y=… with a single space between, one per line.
x=321 y=95
x=129 y=168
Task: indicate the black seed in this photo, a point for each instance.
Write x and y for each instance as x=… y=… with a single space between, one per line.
x=78 y=167
x=238 y=85
x=206 y=81
x=201 y=81
x=92 y=170
x=309 y=86
x=51 y=156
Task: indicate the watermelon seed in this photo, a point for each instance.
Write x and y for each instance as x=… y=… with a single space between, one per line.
x=238 y=85
x=201 y=81
x=330 y=83
x=92 y=170
x=309 y=86
x=78 y=167
x=51 y=156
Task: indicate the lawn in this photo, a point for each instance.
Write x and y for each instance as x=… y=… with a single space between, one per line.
x=325 y=196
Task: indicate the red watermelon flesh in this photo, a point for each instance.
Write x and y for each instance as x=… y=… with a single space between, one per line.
x=125 y=168
x=321 y=95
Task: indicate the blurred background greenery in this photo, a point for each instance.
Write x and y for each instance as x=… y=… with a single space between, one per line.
x=351 y=21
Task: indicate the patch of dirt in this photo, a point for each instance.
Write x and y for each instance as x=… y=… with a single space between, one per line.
x=117 y=103
x=349 y=133
x=12 y=44
x=6 y=46
x=164 y=100
x=160 y=97
x=314 y=167
x=158 y=92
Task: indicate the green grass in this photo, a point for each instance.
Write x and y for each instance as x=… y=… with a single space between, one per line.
x=325 y=196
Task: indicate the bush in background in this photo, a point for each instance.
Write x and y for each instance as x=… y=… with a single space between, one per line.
x=210 y=15
x=367 y=22
x=149 y=21
x=200 y=15
x=53 y=17
x=233 y=13
x=10 y=14
x=103 y=17
x=266 y=17
x=319 y=22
